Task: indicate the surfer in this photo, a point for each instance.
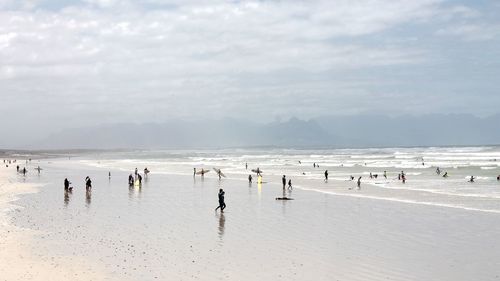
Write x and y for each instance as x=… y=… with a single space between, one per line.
x=498 y=178
x=314 y=165
x=283 y=180
x=471 y=179
x=17 y=167
x=146 y=172
x=130 y=180
x=219 y=173
x=222 y=204
x=249 y=178
x=109 y=174
x=38 y=169
x=445 y=175
x=438 y=171
x=88 y=184
x=290 y=184
x=403 y=177
x=24 y=171
x=246 y=166
x=359 y=183
x=136 y=171
x=139 y=177
x=326 y=175
x=371 y=176
x=66 y=184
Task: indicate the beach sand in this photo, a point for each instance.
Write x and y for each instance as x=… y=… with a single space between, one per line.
x=168 y=230
x=18 y=261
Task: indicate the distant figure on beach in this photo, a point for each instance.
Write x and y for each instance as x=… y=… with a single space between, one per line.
x=399 y=177
x=290 y=184
x=146 y=172
x=88 y=184
x=300 y=162
x=351 y=177
x=471 y=179
x=136 y=171
x=222 y=204
x=258 y=172
x=24 y=171
x=109 y=174
x=38 y=169
x=219 y=173
x=385 y=174
x=130 y=180
x=403 y=177
x=314 y=165
x=66 y=184
x=139 y=177
x=498 y=178
x=194 y=172
x=17 y=167
x=249 y=178
x=371 y=176
x=202 y=172
x=359 y=183
x=283 y=180
x=438 y=171
x=326 y=175
x=246 y=166
x=445 y=175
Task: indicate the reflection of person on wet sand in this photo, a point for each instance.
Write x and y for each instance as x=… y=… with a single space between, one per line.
x=88 y=197
x=222 y=222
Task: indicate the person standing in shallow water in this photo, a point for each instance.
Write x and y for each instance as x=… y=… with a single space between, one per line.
x=283 y=180
x=359 y=183
x=249 y=178
x=222 y=204
x=326 y=175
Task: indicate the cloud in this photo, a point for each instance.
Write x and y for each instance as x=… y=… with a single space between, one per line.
x=99 y=59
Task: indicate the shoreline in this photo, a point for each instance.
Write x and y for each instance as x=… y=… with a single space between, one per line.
x=167 y=229
x=18 y=260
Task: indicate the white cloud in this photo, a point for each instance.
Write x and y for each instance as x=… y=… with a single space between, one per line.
x=167 y=54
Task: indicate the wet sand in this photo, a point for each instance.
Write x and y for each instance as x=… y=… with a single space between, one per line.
x=168 y=230
x=18 y=258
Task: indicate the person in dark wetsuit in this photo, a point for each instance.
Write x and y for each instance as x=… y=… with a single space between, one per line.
x=471 y=179
x=249 y=178
x=283 y=180
x=139 y=177
x=290 y=184
x=88 y=184
x=222 y=204
x=130 y=179
x=66 y=184
x=326 y=175
x=359 y=183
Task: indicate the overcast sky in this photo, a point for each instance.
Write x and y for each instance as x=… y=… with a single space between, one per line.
x=74 y=63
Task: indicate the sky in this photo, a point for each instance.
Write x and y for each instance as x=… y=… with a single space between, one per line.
x=78 y=63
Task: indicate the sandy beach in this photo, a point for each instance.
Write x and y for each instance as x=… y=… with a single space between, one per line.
x=167 y=229
x=18 y=261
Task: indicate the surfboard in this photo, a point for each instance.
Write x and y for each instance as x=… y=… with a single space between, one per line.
x=204 y=172
x=257 y=171
x=218 y=170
